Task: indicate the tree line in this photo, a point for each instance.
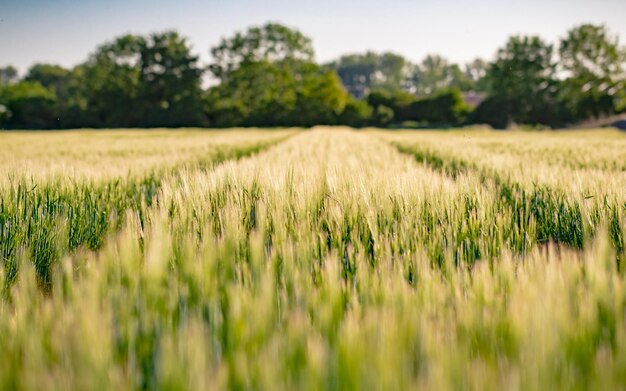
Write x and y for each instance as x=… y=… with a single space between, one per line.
x=267 y=76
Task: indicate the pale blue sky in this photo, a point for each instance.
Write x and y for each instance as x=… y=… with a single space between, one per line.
x=66 y=31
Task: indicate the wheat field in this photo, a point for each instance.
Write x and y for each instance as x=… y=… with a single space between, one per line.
x=325 y=259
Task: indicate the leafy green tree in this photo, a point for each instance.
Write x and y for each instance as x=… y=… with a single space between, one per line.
x=255 y=94
x=356 y=113
x=28 y=104
x=398 y=101
x=356 y=72
x=620 y=104
x=445 y=108
x=169 y=90
x=110 y=83
x=282 y=93
x=494 y=111
x=383 y=116
x=50 y=76
x=142 y=81
x=4 y=115
x=66 y=86
x=436 y=74
x=268 y=78
x=271 y=42
x=475 y=72
x=8 y=75
x=522 y=82
x=459 y=79
x=595 y=65
x=362 y=73
x=321 y=97
x=524 y=69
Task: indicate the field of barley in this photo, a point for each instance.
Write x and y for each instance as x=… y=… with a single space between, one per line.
x=323 y=259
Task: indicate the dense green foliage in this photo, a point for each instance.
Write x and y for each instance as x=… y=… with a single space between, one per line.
x=523 y=79
x=435 y=74
x=143 y=81
x=269 y=43
x=594 y=62
x=362 y=73
x=285 y=93
x=267 y=76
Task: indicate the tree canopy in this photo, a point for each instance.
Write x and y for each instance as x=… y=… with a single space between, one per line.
x=522 y=84
x=595 y=66
x=271 y=42
x=8 y=75
x=363 y=73
x=143 y=81
x=434 y=74
x=267 y=76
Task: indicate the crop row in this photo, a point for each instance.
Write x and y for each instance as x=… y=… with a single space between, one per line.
x=42 y=221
